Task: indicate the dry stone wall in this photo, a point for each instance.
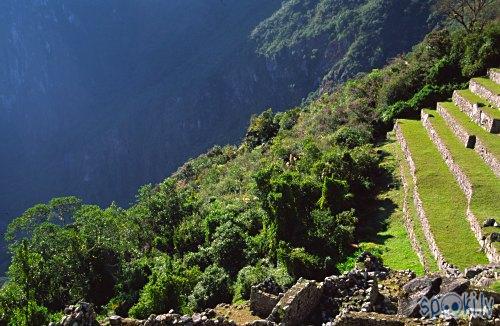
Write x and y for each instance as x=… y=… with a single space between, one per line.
x=485 y=93
x=408 y=222
x=494 y=75
x=441 y=262
x=479 y=146
x=477 y=115
x=297 y=303
x=262 y=303
x=464 y=183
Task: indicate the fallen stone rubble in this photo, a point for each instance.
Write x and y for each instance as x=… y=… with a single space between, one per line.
x=370 y=294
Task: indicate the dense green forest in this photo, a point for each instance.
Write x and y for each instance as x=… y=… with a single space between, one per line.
x=283 y=204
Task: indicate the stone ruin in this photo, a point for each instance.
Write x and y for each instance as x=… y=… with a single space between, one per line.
x=264 y=297
x=370 y=294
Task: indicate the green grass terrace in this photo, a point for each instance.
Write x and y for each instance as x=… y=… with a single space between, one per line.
x=489 y=84
x=486 y=106
x=443 y=201
x=491 y=141
x=485 y=199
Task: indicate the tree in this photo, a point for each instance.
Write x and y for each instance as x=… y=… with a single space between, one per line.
x=470 y=14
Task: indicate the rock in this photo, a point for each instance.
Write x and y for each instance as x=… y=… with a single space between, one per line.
x=115 y=320
x=261 y=322
x=370 y=262
x=368 y=319
x=495 y=237
x=81 y=314
x=489 y=222
x=458 y=285
x=414 y=291
x=473 y=271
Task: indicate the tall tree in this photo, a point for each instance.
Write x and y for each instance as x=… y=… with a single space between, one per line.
x=470 y=14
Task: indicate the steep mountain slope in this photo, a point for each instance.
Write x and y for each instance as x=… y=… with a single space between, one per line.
x=99 y=97
x=304 y=190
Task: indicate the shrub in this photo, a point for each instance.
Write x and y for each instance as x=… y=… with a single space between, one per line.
x=167 y=288
x=213 y=288
x=29 y=315
x=189 y=235
x=262 y=129
x=300 y=263
x=351 y=137
x=228 y=247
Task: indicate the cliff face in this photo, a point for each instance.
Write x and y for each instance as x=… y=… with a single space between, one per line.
x=99 y=97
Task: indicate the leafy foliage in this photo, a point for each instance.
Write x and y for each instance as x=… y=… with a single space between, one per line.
x=283 y=205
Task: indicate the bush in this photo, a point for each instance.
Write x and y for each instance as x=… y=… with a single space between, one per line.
x=262 y=129
x=188 y=235
x=253 y=275
x=351 y=137
x=228 y=247
x=212 y=289
x=167 y=288
x=29 y=315
x=300 y=263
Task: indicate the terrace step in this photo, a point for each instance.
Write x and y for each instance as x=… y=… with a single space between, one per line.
x=485 y=144
x=439 y=201
x=478 y=183
x=487 y=89
x=411 y=221
x=479 y=110
x=494 y=74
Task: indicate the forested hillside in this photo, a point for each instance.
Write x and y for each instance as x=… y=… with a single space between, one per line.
x=289 y=201
x=100 y=97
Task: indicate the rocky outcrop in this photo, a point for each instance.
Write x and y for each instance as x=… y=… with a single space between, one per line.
x=484 y=92
x=489 y=158
x=441 y=262
x=464 y=183
x=297 y=303
x=370 y=294
x=414 y=291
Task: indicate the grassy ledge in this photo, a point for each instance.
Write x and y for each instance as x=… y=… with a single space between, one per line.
x=489 y=84
x=486 y=106
x=443 y=201
x=484 y=203
x=417 y=225
x=490 y=140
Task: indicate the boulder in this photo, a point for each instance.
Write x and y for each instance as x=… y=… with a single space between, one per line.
x=489 y=222
x=414 y=291
x=451 y=284
x=495 y=237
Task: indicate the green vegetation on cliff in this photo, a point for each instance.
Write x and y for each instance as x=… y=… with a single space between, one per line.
x=285 y=203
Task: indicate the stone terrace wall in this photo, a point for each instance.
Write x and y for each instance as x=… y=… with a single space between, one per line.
x=408 y=221
x=441 y=262
x=479 y=146
x=463 y=182
x=494 y=75
x=477 y=115
x=467 y=107
x=484 y=93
